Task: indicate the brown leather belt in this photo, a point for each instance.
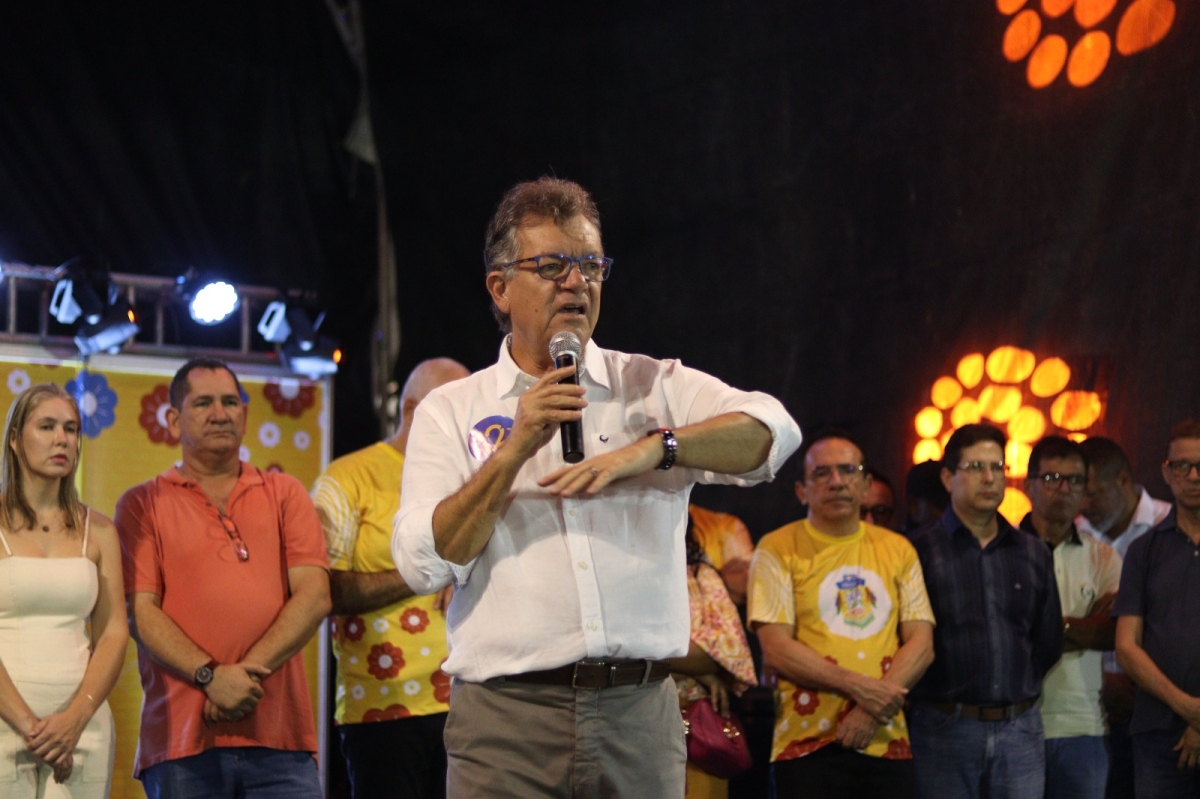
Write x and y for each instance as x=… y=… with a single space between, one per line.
x=597 y=674
x=983 y=712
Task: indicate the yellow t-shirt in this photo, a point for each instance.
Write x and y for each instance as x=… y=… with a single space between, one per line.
x=389 y=660
x=846 y=598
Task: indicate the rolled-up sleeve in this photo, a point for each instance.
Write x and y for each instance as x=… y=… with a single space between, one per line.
x=434 y=468
x=698 y=397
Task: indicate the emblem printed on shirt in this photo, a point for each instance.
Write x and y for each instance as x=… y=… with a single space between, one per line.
x=487 y=435
x=854 y=603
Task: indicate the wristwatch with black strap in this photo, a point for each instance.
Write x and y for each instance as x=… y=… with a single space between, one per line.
x=204 y=674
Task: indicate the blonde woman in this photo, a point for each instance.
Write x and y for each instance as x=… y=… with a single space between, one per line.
x=60 y=563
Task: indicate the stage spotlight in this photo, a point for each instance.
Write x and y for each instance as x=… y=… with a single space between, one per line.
x=209 y=300
x=79 y=291
x=273 y=326
x=321 y=357
x=116 y=326
x=303 y=351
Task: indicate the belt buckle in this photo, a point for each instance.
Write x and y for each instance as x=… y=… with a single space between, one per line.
x=585 y=662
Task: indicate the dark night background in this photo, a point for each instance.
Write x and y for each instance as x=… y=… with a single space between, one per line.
x=829 y=202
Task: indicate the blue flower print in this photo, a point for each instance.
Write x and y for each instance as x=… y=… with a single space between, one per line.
x=97 y=402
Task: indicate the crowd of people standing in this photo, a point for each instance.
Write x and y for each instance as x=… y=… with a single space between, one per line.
x=512 y=622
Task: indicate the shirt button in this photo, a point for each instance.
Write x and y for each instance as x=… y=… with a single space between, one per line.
x=591 y=625
x=582 y=566
x=571 y=512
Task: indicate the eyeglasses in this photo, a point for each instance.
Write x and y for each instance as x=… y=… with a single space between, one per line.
x=979 y=467
x=239 y=546
x=1182 y=468
x=556 y=266
x=882 y=514
x=822 y=474
x=1057 y=480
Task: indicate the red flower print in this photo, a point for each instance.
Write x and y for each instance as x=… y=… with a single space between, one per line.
x=389 y=713
x=288 y=397
x=805 y=701
x=885 y=665
x=441 y=684
x=805 y=746
x=153 y=417
x=353 y=628
x=385 y=661
x=414 y=620
x=898 y=750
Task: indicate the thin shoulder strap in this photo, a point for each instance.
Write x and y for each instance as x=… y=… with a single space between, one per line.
x=87 y=523
x=4 y=541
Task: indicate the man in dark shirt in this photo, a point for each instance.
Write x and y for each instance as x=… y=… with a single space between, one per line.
x=1157 y=640
x=974 y=726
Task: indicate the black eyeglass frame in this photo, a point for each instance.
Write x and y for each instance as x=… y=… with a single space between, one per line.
x=571 y=260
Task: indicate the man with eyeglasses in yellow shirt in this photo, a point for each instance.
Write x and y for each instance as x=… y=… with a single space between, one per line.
x=841 y=610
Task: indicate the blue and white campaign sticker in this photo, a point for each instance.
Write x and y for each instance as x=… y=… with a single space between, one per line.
x=487 y=435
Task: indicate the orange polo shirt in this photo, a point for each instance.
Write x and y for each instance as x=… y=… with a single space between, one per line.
x=174 y=545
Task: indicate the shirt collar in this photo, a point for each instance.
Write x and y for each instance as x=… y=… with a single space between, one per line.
x=511 y=380
x=1145 y=512
x=250 y=476
x=1027 y=526
x=954 y=526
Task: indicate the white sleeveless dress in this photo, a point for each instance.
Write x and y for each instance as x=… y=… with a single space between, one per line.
x=44 y=607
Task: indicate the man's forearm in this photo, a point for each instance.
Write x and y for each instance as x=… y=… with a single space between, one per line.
x=1090 y=632
x=732 y=443
x=164 y=641
x=914 y=656
x=463 y=522
x=297 y=621
x=364 y=592
x=1150 y=678
x=802 y=665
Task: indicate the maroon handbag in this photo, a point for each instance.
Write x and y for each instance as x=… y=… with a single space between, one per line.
x=716 y=745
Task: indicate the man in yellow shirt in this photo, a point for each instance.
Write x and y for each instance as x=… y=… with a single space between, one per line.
x=841 y=610
x=392 y=696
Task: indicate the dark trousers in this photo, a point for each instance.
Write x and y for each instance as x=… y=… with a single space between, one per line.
x=1156 y=767
x=832 y=772
x=1120 y=763
x=400 y=759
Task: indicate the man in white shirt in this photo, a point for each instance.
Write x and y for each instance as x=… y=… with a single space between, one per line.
x=1088 y=573
x=1118 y=511
x=571 y=588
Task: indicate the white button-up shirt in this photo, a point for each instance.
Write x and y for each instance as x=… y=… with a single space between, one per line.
x=562 y=579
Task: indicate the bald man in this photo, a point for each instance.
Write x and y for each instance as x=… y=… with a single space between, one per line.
x=389 y=644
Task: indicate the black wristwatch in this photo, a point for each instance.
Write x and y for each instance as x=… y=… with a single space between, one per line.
x=204 y=674
x=670 y=447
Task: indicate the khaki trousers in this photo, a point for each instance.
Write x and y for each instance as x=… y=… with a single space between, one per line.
x=507 y=739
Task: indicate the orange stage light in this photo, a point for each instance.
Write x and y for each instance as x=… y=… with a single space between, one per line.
x=946 y=391
x=970 y=370
x=1050 y=377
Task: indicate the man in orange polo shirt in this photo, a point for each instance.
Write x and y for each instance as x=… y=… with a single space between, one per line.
x=226 y=580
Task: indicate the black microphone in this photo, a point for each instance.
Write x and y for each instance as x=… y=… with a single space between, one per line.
x=566 y=350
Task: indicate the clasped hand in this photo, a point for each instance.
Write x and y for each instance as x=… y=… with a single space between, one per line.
x=234 y=692
x=53 y=739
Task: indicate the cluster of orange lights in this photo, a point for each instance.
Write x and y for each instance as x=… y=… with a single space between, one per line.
x=1011 y=389
x=1143 y=24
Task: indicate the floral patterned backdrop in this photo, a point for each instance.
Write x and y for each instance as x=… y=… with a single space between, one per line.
x=126 y=441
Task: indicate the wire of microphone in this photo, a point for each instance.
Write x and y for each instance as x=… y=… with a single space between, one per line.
x=566 y=350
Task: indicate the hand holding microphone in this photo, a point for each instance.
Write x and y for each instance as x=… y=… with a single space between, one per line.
x=566 y=350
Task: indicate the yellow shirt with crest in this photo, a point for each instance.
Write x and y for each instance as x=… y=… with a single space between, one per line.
x=389 y=660
x=845 y=597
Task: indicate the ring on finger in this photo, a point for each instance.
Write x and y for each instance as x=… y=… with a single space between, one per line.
x=595 y=471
